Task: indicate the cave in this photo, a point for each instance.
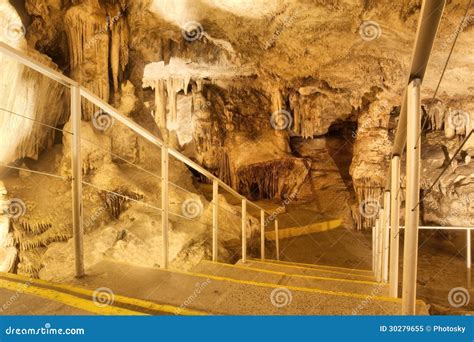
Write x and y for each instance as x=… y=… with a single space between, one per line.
x=238 y=133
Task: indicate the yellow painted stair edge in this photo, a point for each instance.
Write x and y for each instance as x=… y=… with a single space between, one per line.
x=64 y=298
x=249 y=268
x=311 y=268
x=289 y=287
x=117 y=298
x=303 y=230
x=312 y=265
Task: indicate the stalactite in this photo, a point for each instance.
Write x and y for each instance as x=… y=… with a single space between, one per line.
x=369 y=196
x=160 y=103
x=277 y=100
x=272 y=179
x=116 y=203
x=119 y=43
x=174 y=86
x=88 y=41
x=223 y=166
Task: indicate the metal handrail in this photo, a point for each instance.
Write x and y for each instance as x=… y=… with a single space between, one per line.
x=77 y=93
x=407 y=135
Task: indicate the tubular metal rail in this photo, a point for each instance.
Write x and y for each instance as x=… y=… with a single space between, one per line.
x=385 y=234
x=77 y=94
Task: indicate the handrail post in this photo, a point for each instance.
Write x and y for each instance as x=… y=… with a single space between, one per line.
x=164 y=205
x=410 y=250
x=383 y=250
x=468 y=257
x=382 y=227
x=215 y=217
x=262 y=234
x=277 y=240
x=386 y=236
x=378 y=245
x=244 y=230
x=76 y=171
x=394 y=225
x=373 y=249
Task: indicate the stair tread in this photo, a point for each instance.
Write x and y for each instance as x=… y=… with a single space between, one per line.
x=293 y=269
x=247 y=272
x=221 y=295
x=318 y=266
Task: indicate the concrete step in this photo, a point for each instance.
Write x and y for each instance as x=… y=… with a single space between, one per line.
x=239 y=272
x=319 y=266
x=247 y=272
x=309 y=271
x=218 y=294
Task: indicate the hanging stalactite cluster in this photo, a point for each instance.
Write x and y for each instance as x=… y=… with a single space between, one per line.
x=98 y=42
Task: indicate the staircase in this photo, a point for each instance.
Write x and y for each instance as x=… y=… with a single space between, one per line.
x=254 y=288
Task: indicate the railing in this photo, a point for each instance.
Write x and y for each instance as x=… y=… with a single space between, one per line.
x=77 y=93
x=408 y=140
x=381 y=245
